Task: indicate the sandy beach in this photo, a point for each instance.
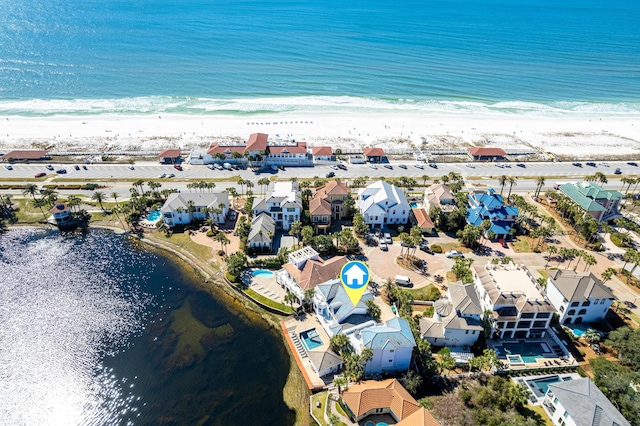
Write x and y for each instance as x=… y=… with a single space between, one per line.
x=606 y=137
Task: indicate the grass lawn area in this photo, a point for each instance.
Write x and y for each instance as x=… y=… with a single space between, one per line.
x=537 y=409
x=318 y=412
x=26 y=213
x=449 y=246
x=185 y=242
x=543 y=273
x=451 y=277
x=521 y=245
x=266 y=301
x=425 y=293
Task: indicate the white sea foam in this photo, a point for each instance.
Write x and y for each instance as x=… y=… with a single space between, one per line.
x=306 y=104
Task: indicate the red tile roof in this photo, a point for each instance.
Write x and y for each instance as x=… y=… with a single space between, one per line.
x=298 y=148
x=214 y=148
x=257 y=142
x=319 y=207
x=371 y=394
x=322 y=151
x=373 y=152
x=487 y=152
x=422 y=218
x=333 y=187
x=315 y=272
x=169 y=153
x=420 y=418
x=26 y=154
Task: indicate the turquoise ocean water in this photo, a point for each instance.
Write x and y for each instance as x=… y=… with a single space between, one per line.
x=254 y=56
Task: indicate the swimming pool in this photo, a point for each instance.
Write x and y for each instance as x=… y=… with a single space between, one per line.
x=529 y=352
x=414 y=205
x=376 y=424
x=578 y=330
x=541 y=385
x=154 y=216
x=262 y=273
x=311 y=339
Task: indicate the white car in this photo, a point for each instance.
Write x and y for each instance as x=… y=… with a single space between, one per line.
x=334 y=167
x=453 y=253
x=387 y=238
x=373 y=166
x=131 y=168
x=471 y=166
x=419 y=166
x=383 y=246
x=171 y=175
x=163 y=175
x=604 y=164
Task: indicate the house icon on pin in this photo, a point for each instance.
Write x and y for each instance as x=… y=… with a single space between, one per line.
x=354 y=276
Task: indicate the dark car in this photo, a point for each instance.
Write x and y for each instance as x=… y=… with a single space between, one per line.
x=61 y=171
x=402 y=166
x=342 y=167
x=591 y=163
x=632 y=163
x=330 y=174
x=618 y=172
x=39 y=175
x=177 y=167
x=521 y=165
x=425 y=248
x=76 y=167
x=388 y=166
x=577 y=164
x=84 y=167
x=434 y=165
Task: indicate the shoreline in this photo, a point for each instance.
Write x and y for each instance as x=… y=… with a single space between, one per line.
x=295 y=391
x=593 y=134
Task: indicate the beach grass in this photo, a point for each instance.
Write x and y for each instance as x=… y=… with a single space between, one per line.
x=266 y=301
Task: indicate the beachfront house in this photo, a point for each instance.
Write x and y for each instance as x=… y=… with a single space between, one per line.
x=284 y=204
x=169 y=156
x=183 y=208
x=375 y=155
x=392 y=343
x=519 y=308
x=306 y=269
x=580 y=403
x=335 y=192
x=383 y=204
x=489 y=205
x=262 y=232
x=487 y=154
x=440 y=195
x=601 y=204
x=61 y=214
x=25 y=155
x=384 y=397
x=579 y=297
x=322 y=154
x=289 y=154
x=456 y=318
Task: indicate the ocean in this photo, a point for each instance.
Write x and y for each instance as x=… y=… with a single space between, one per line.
x=244 y=57
x=98 y=329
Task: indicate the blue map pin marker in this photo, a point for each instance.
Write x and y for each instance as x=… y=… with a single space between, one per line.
x=355 y=277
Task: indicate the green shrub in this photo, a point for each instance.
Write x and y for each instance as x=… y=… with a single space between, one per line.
x=221 y=253
x=620 y=240
x=598 y=246
x=91 y=186
x=230 y=277
x=436 y=248
x=209 y=233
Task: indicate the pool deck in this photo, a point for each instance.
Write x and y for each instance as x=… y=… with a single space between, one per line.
x=266 y=286
x=533 y=398
x=558 y=357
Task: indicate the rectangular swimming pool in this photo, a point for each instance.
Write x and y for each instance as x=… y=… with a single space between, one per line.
x=529 y=352
x=541 y=385
x=311 y=339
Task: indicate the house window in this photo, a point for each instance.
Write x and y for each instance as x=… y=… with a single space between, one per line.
x=435 y=340
x=587 y=303
x=466 y=332
x=566 y=414
x=573 y=304
x=571 y=312
x=582 y=312
x=602 y=301
x=555 y=401
x=473 y=332
x=527 y=315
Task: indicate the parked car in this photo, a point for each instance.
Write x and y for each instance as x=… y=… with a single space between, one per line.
x=383 y=246
x=162 y=175
x=388 y=166
x=503 y=243
x=334 y=167
x=499 y=165
x=603 y=164
x=177 y=167
x=402 y=166
x=425 y=248
x=76 y=167
x=633 y=163
x=39 y=175
x=210 y=166
x=8 y=167
x=387 y=238
x=84 y=167
x=433 y=165
x=618 y=172
x=471 y=166
x=170 y=175
x=521 y=165
x=403 y=281
x=453 y=253
x=330 y=174
x=342 y=166
x=419 y=166
x=49 y=167
x=591 y=163
x=577 y=164
x=373 y=166
x=61 y=171
x=131 y=168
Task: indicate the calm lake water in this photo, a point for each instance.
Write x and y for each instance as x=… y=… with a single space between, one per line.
x=97 y=329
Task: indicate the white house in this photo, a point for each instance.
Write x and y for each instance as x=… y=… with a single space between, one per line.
x=61 y=214
x=518 y=305
x=383 y=204
x=580 y=403
x=392 y=343
x=579 y=297
x=284 y=204
x=456 y=318
x=182 y=208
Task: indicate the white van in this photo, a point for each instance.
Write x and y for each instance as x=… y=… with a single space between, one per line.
x=403 y=281
x=227 y=166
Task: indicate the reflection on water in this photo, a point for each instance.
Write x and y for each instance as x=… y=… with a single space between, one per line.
x=96 y=330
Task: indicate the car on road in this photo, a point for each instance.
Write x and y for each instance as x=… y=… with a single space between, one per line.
x=49 y=167
x=402 y=166
x=177 y=167
x=61 y=171
x=471 y=166
x=84 y=167
x=418 y=166
x=334 y=167
x=330 y=174
x=387 y=238
x=603 y=164
x=383 y=246
x=433 y=165
x=618 y=172
x=577 y=164
x=39 y=175
x=76 y=167
x=8 y=167
x=342 y=166
x=521 y=165
x=162 y=175
x=454 y=253
x=131 y=168
x=629 y=305
x=633 y=163
x=373 y=166
x=170 y=175
x=388 y=166
x=425 y=248
x=591 y=163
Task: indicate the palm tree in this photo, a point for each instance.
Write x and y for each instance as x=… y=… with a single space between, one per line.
x=551 y=249
x=114 y=195
x=290 y=298
x=99 y=197
x=539 y=185
x=502 y=181
x=40 y=203
x=425 y=178
x=512 y=181
x=264 y=183
x=589 y=260
x=30 y=189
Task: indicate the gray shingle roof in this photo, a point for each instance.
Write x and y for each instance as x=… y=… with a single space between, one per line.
x=579 y=286
x=208 y=199
x=586 y=404
x=265 y=223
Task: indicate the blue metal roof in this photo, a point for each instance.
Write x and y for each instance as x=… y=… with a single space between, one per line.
x=396 y=332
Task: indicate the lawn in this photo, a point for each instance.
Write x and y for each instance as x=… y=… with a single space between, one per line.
x=538 y=410
x=429 y=292
x=26 y=213
x=318 y=412
x=184 y=241
x=543 y=273
x=266 y=301
x=521 y=245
